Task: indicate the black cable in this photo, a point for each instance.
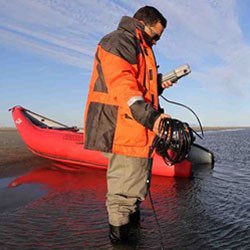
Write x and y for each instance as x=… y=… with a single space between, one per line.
x=156 y=219
x=184 y=106
x=173 y=144
x=150 y=162
x=174 y=140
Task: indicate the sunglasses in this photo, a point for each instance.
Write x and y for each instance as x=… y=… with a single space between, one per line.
x=155 y=36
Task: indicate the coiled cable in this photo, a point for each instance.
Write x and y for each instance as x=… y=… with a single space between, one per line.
x=174 y=140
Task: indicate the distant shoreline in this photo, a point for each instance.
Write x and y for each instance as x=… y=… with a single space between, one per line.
x=196 y=128
x=218 y=128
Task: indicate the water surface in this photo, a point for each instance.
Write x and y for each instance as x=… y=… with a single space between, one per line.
x=50 y=209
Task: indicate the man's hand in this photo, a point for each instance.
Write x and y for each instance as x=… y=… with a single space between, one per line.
x=167 y=84
x=157 y=122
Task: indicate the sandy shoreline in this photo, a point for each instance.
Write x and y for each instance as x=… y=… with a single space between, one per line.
x=15 y=157
x=210 y=128
x=12 y=148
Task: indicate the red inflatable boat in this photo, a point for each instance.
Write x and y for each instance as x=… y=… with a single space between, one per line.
x=64 y=145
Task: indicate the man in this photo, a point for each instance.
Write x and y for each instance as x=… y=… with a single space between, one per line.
x=122 y=112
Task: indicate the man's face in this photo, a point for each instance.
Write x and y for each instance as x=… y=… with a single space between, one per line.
x=154 y=32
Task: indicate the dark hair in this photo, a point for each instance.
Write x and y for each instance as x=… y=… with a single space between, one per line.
x=150 y=16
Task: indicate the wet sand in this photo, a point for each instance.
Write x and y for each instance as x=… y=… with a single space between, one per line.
x=12 y=147
x=13 y=153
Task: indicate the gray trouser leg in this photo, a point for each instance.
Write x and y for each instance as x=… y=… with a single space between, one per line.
x=127 y=185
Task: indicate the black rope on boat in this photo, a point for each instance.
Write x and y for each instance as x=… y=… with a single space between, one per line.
x=41 y=121
x=43 y=118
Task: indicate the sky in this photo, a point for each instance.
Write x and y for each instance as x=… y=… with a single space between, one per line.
x=47 y=49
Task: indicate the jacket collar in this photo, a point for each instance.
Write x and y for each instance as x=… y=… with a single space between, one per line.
x=130 y=24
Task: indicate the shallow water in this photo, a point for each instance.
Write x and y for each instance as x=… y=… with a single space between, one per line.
x=49 y=209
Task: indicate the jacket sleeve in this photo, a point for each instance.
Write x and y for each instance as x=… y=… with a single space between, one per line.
x=144 y=113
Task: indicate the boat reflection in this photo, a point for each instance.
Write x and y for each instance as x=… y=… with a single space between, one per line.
x=60 y=180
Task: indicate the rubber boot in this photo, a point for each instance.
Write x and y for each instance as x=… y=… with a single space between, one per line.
x=134 y=219
x=119 y=234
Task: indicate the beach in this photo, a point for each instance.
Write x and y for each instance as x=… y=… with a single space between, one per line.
x=12 y=147
x=13 y=153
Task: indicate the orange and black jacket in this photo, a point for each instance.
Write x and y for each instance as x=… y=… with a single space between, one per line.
x=122 y=103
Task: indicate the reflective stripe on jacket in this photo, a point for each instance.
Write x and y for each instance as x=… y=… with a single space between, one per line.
x=123 y=94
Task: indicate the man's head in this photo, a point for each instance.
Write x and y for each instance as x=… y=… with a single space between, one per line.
x=154 y=22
